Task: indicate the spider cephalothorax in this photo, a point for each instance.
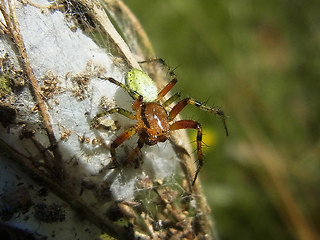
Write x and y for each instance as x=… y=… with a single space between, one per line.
x=154 y=122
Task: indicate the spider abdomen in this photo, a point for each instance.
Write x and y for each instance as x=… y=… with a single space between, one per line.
x=152 y=123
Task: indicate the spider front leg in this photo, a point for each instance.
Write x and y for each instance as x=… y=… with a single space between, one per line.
x=166 y=89
x=181 y=104
x=121 y=111
x=190 y=124
x=124 y=112
x=131 y=92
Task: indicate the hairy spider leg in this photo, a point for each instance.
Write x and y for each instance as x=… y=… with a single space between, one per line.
x=191 y=124
x=166 y=89
x=121 y=111
x=181 y=104
x=161 y=62
x=171 y=99
x=118 y=141
x=136 y=151
x=131 y=92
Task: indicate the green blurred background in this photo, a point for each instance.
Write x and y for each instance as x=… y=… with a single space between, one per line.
x=260 y=62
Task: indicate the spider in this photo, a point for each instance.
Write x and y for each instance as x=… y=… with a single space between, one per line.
x=153 y=122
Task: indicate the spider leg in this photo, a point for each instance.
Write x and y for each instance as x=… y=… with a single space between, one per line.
x=181 y=104
x=121 y=111
x=170 y=85
x=136 y=151
x=171 y=100
x=161 y=62
x=167 y=88
x=118 y=141
x=190 y=124
x=131 y=92
x=126 y=113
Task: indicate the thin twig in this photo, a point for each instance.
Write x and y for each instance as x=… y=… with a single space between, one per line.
x=131 y=28
x=14 y=31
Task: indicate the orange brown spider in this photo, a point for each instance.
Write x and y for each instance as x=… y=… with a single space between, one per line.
x=154 y=122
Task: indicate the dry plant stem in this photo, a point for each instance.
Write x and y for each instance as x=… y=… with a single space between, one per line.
x=122 y=14
x=68 y=196
x=108 y=29
x=14 y=31
x=144 y=50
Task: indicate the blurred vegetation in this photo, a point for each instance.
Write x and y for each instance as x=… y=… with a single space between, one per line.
x=260 y=62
